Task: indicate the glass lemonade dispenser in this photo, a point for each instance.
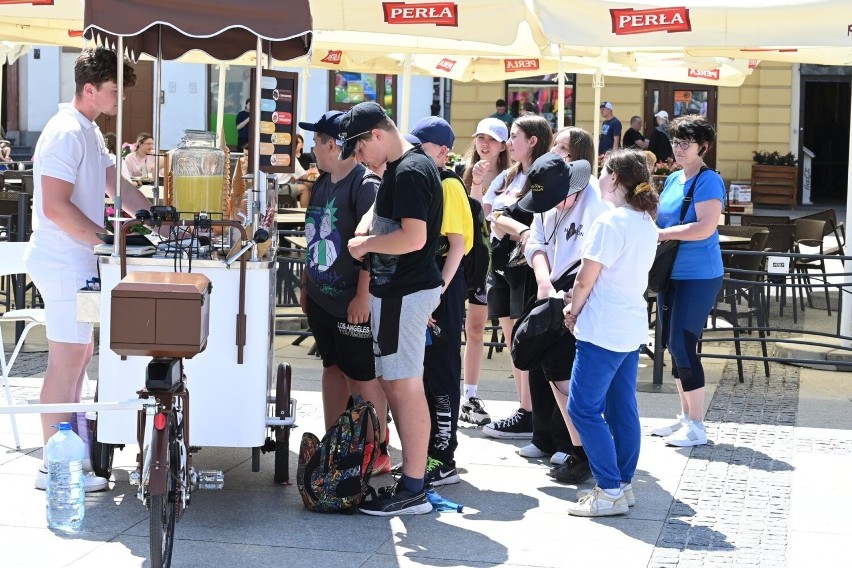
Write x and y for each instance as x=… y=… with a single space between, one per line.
x=198 y=174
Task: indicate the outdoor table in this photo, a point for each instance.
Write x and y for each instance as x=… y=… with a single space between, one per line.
x=729 y=242
x=290 y=219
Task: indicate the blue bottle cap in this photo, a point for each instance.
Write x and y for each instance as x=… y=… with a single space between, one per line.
x=64 y=426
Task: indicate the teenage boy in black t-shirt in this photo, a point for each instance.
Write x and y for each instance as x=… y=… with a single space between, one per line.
x=406 y=286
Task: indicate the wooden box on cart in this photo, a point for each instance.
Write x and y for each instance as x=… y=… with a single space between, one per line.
x=160 y=314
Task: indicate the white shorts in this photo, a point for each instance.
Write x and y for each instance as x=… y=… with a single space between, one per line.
x=58 y=285
x=399 y=333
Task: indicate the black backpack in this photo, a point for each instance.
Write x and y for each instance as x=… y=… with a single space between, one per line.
x=331 y=476
x=477 y=262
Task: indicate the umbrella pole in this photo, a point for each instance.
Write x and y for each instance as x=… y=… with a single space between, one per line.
x=119 y=49
x=406 y=93
x=598 y=81
x=158 y=86
x=254 y=213
x=220 y=105
x=303 y=91
x=846 y=313
x=560 y=93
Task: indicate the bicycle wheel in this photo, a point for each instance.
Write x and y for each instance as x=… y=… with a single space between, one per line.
x=164 y=507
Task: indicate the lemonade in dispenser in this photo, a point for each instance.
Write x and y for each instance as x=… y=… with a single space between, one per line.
x=198 y=174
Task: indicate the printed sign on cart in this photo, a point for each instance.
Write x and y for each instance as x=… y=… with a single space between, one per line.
x=278 y=101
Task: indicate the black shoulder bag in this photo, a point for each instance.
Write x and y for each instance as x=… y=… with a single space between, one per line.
x=661 y=271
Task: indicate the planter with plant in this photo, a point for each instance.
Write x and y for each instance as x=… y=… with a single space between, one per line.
x=774 y=179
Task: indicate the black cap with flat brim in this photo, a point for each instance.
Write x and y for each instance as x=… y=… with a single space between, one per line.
x=360 y=120
x=551 y=180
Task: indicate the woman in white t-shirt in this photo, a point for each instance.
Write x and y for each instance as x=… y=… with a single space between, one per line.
x=607 y=315
x=141 y=162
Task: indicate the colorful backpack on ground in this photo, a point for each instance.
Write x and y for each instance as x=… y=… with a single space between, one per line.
x=331 y=477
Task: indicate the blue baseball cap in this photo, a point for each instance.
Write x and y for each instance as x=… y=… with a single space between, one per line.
x=328 y=124
x=434 y=129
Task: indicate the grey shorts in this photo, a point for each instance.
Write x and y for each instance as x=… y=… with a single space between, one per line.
x=399 y=333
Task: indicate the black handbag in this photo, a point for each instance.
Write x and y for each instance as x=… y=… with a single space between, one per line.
x=500 y=252
x=661 y=271
x=537 y=330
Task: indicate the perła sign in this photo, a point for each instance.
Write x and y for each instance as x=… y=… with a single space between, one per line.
x=627 y=21
x=437 y=13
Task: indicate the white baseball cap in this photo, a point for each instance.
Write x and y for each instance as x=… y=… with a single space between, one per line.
x=493 y=127
x=606 y=104
x=662 y=114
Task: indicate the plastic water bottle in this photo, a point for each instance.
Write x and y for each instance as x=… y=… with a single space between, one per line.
x=440 y=503
x=66 y=486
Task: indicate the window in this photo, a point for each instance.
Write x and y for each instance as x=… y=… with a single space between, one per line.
x=541 y=95
x=348 y=89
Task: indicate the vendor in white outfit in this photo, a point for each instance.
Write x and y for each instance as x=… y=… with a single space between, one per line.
x=73 y=170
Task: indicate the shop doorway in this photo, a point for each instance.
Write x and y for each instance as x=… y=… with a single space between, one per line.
x=679 y=99
x=138 y=106
x=824 y=127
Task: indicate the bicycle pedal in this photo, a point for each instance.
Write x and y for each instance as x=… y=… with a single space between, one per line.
x=211 y=479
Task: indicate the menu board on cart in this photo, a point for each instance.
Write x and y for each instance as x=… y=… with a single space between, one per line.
x=278 y=97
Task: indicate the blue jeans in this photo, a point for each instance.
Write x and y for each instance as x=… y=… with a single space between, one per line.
x=602 y=405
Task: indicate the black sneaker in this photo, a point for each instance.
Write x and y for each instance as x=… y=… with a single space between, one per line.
x=440 y=473
x=396 y=500
x=516 y=427
x=473 y=412
x=575 y=470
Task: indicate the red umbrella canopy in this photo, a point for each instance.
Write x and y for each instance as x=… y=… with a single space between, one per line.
x=223 y=29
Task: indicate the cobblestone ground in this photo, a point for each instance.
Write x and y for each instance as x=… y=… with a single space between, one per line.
x=732 y=507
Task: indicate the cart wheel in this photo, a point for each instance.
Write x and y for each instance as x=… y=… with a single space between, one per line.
x=163 y=511
x=100 y=454
x=282 y=434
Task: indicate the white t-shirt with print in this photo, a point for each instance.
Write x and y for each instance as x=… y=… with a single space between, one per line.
x=503 y=199
x=70 y=148
x=615 y=315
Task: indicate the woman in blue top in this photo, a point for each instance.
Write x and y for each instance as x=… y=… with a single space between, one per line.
x=697 y=273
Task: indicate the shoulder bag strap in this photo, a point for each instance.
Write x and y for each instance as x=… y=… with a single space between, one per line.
x=687 y=200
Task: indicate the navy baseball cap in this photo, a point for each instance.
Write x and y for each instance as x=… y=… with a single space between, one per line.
x=328 y=124
x=551 y=180
x=360 y=120
x=434 y=129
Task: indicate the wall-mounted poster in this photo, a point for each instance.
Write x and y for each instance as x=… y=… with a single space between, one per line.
x=278 y=98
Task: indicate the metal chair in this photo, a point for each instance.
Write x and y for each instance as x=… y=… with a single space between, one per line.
x=809 y=233
x=12 y=262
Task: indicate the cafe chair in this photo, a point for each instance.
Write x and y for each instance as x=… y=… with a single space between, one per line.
x=781 y=239
x=763 y=220
x=809 y=234
x=12 y=262
x=744 y=281
x=832 y=229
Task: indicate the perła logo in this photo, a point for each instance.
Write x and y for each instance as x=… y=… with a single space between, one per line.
x=627 y=21
x=333 y=56
x=437 y=13
x=445 y=65
x=511 y=65
x=712 y=74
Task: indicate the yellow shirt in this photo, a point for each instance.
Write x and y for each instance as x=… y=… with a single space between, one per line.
x=457 y=218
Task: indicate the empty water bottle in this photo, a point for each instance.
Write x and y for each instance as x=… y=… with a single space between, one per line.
x=440 y=503
x=66 y=486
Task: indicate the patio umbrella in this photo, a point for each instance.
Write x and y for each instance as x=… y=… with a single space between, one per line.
x=817 y=31
x=58 y=22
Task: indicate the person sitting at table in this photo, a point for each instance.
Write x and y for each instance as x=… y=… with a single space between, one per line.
x=141 y=162
x=5 y=151
x=301 y=181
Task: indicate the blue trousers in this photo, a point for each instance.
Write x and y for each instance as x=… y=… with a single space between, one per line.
x=602 y=405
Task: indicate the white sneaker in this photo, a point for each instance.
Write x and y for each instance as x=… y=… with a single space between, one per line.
x=558 y=458
x=531 y=451
x=597 y=503
x=93 y=482
x=671 y=428
x=626 y=488
x=692 y=434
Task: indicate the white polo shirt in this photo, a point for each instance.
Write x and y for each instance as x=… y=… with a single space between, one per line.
x=70 y=148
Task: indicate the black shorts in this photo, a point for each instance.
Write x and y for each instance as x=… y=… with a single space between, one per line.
x=557 y=362
x=478 y=297
x=349 y=346
x=509 y=291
